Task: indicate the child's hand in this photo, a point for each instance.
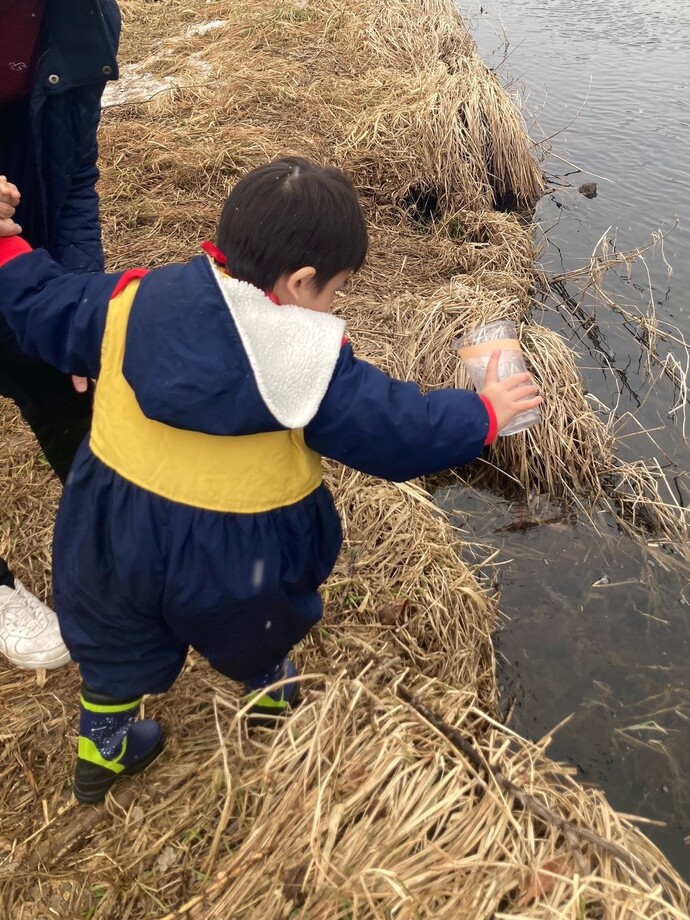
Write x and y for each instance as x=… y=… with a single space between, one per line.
x=509 y=397
x=9 y=199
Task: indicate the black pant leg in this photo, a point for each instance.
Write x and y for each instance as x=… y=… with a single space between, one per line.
x=59 y=417
x=6 y=579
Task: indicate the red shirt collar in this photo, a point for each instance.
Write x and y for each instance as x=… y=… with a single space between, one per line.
x=211 y=250
x=214 y=252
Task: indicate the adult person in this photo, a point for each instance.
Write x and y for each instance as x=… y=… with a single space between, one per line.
x=55 y=59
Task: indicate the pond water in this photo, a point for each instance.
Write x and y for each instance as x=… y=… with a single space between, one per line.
x=598 y=626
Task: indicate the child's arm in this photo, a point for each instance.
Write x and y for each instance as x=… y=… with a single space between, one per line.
x=56 y=316
x=388 y=428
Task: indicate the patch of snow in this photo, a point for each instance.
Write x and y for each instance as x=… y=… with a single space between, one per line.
x=203 y=27
x=198 y=61
x=135 y=85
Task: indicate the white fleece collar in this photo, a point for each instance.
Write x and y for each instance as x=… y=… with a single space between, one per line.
x=292 y=351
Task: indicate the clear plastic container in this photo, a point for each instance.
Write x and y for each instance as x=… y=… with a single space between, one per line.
x=475 y=348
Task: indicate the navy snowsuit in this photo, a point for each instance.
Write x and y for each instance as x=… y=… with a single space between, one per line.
x=196 y=514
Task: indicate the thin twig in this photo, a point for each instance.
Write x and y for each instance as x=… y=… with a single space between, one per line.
x=528 y=802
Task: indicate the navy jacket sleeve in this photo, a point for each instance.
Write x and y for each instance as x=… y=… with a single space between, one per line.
x=78 y=246
x=388 y=428
x=57 y=316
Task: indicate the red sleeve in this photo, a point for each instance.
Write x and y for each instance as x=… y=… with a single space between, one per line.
x=493 y=421
x=11 y=247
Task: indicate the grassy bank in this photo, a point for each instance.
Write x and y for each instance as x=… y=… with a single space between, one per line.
x=363 y=805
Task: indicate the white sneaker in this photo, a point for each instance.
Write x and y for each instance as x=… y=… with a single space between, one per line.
x=29 y=632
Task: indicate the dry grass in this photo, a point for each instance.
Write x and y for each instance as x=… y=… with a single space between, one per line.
x=357 y=807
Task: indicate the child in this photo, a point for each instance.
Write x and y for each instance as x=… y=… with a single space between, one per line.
x=195 y=514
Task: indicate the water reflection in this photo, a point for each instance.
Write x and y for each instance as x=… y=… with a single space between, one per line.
x=609 y=83
x=597 y=626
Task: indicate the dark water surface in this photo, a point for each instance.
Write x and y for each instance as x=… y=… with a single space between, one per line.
x=609 y=84
x=598 y=626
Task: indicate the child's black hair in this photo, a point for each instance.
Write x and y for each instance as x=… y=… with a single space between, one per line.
x=288 y=214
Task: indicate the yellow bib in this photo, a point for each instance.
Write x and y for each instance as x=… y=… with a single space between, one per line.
x=243 y=474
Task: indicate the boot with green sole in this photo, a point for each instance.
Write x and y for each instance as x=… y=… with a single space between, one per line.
x=112 y=743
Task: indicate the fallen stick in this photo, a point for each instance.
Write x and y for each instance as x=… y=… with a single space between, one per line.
x=528 y=802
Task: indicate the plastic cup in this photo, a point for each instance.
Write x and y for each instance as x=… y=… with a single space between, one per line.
x=475 y=348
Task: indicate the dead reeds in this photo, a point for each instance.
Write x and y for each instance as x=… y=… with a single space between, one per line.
x=392 y=792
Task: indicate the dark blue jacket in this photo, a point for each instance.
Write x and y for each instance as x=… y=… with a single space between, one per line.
x=186 y=362
x=49 y=146
x=196 y=513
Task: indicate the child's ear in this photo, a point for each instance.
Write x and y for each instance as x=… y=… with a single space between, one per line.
x=291 y=287
x=295 y=282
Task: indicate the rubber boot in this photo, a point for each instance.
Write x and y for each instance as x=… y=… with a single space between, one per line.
x=112 y=743
x=274 y=704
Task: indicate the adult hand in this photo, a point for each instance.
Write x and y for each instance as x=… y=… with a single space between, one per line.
x=9 y=199
x=509 y=396
x=9 y=228
x=80 y=384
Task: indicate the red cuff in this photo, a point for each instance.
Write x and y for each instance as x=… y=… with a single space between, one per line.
x=11 y=247
x=493 y=421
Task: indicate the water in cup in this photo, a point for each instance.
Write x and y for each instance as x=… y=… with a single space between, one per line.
x=475 y=348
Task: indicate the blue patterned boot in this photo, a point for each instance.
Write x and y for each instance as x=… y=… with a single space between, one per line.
x=271 y=705
x=112 y=743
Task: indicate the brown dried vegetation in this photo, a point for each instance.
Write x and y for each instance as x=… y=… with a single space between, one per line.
x=358 y=807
